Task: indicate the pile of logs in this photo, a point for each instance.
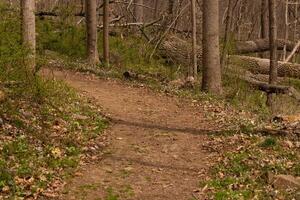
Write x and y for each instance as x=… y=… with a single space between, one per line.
x=179 y=51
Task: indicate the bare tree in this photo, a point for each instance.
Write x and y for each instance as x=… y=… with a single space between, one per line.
x=91 y=25
x=273 y=48
x=28 y=30
x=106 y=31
x=211 y=53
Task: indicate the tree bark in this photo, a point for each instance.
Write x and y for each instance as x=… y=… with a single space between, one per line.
x=91 y=25
x=28 y=31
x=106 y=32
x=211 y=81
x=273 y=48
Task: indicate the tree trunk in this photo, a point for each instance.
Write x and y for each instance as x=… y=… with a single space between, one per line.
x=91 y=25
x=273 y=48
x=193 y=68
x=227 y=33
x=264 y=19
x=106 y=32
x=28 y=30
x=171 y=6
x=139 y=11
x=156 y=8
x=211 y=53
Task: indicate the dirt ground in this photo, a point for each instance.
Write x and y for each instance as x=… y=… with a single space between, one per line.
x=156 y=149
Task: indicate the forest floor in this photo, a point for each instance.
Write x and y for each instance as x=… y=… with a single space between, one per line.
x=162 y=146
x=157 y=144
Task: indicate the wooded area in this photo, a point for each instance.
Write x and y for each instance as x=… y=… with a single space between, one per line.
x=165 y=76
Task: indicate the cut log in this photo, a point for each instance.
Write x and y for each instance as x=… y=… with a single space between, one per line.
x=261 y=66
x=178 y=51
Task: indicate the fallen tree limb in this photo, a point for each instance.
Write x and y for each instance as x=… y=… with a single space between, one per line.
x=293 y=52
x=268 y=88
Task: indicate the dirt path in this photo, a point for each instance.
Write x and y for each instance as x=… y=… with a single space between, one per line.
x=156 y=150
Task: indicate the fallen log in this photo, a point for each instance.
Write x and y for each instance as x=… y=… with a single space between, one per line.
x=179 y=51
x=261 y=45
x=261 y=66
x=268 y=88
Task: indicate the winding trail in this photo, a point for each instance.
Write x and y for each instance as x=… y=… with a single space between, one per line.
x=156 y=147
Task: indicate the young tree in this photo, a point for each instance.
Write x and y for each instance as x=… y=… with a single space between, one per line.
x=91 y=25
x=28 y=30
x=226 y=43
x=211 y=81
x=264 y=19
x=193 y=67
x=139 y=10
x=106 y=31
x=273 y=48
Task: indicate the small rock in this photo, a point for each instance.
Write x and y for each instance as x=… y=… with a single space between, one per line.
x=108 y=170
x=128 y=169
x=285 y=182
x=80 y=117
x=289 y=144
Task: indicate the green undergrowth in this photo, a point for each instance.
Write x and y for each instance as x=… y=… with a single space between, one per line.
x=42 y=137
x=44 y=125
x=245 y=168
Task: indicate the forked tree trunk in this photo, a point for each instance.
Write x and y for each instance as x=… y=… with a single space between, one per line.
x=106 y=32
x=273 y=47
x=28 y=30
x=91 y=25
x=211 y=53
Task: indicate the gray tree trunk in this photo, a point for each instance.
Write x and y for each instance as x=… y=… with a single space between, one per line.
x=273 y=48
x=106 y=32
x=139 y=11
x=28 y=30
x=211 y=51
x=91 y=25
x=193 y=67
x=171 y=7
